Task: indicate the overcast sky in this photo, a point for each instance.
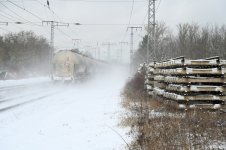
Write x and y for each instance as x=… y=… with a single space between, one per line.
x=92 y=13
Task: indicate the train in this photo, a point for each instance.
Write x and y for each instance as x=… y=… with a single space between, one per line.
x=72 y=65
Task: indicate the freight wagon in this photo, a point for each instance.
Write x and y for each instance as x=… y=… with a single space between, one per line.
x=72 y=65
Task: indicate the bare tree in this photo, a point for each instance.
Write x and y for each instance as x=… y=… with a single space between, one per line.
x=191 y=41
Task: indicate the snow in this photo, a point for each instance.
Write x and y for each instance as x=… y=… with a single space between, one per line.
x=22 y=82
x=63 y=116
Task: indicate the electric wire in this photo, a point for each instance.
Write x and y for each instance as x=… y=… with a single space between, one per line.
x=143 y=23
x=18 y=15
x=31 y=14
x=92 y=1
x=57 y=18
x=131 y=13
x=45 y=6
x=65 y=34
x=4 y=29
x=53 y=13
x=22 y=3
x=25 y=10
x=11 y=17
x=103 y=24
x=158 y=5
x=27 y=21
x=8 y=18
x=12 y=11
x=2 y=19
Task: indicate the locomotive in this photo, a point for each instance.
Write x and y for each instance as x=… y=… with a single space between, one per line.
x=71 y=65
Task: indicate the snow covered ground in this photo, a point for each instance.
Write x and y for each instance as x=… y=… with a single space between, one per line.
x=36 y=114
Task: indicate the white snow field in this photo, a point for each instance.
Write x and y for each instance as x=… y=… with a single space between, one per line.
x=37 y=114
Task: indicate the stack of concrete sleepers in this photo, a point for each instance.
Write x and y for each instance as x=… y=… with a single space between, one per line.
x=149 y=78
x=191 y=82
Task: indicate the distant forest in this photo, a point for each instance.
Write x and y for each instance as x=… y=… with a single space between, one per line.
x=24 y=54
x=190 y=40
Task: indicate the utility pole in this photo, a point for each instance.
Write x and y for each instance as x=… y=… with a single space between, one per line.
x=109 y=44
x=88 y=50
x=151 y=24
x=78 y=41
x=131 y=44
x=53 y=24
x=98 y=51
x=121 y=44
x=95 y=52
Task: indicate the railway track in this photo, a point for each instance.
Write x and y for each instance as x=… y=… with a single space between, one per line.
x=26 y=94
x=12 y=87
x=20 y=96
x=22 y=103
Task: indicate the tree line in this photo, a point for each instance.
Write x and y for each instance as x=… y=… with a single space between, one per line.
x=24 y=53
x=191 y=40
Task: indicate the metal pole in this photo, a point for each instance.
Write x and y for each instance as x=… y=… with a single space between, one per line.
x=98 y=51
x=76 y=41
x=52 y=42
x=151 y=23
x=131 y=45
x=95 y=51
x=131 y=49
x=109 y=52
x=120 y=58
x=154 y=38
x=53 y=24
x=148 y=30
x=109 y=44
x=122 y=43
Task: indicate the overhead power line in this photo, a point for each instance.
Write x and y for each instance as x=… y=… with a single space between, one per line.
x=4 y=29
x=59 y=20
x=102 y=24
x=131 y=44
x=25 y=10
x=93 y=1
x=65 y=34
x=158 y=5
x=53 y=24
x=76 y=41
x=4 y=23
x=12 y=11
x=49 y=9
x=109 y=44
x=22 y=18
x=131 y=13
x=120 y=54
x=7 y=17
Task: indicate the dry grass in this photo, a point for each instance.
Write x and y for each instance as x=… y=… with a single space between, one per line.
x=157 y=125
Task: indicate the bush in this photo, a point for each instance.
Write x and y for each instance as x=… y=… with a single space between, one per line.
x=156 y=125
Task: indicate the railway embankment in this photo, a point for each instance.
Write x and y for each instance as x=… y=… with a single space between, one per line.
x=155 y=124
